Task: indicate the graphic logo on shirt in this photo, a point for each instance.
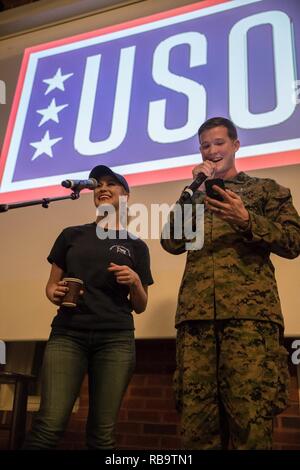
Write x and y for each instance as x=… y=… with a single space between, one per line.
x=120 y=249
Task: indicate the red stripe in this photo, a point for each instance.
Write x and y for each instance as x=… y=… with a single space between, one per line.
x=13 y=112
x=273 y=160
x=243 y=164
x=159 y=176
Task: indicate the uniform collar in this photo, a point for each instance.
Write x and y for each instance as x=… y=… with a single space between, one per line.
x=240 y=178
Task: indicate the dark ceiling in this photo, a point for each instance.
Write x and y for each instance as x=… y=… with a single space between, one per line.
x=7 y=4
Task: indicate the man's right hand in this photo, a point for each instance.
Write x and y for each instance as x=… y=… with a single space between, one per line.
x=207 y=167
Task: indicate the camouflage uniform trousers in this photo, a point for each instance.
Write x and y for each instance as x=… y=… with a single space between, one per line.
x=231 y=379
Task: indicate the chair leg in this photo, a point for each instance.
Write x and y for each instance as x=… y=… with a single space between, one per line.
x=18 y=424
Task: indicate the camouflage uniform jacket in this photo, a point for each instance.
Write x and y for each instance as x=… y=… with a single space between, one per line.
x=232 y=276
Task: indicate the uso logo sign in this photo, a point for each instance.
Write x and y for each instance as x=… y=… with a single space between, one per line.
x=132 y=96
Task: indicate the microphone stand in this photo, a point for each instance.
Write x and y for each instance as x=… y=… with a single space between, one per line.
x=44 y=202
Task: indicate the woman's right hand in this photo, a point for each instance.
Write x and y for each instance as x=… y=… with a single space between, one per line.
x=57 y=291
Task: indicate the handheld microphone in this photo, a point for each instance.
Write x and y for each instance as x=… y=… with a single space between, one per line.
x=188 y=192
x=78 y=185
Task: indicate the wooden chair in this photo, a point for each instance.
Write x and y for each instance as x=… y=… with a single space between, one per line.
x=17 y=426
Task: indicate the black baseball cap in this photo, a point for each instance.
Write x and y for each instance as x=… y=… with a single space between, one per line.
x=102 y=170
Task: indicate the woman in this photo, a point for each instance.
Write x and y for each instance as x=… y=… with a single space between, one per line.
x=97 y=336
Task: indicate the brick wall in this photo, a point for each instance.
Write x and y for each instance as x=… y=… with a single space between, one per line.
x=148 y=419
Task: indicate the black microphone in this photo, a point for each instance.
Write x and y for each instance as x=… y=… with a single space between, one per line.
x=188 y=192
x=78 y=185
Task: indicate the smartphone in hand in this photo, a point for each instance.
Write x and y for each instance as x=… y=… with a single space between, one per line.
x=211 y=192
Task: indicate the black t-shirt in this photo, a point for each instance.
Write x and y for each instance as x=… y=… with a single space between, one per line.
x=80 y=253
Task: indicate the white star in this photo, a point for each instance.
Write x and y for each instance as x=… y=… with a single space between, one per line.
x=51 y=112
x=44 y=146
x=57 y=81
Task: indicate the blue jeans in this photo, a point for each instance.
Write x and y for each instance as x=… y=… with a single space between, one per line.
x=109 y=359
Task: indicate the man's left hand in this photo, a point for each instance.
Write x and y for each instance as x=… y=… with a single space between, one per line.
x=231 y=209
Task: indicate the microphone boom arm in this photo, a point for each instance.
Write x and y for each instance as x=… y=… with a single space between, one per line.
x=44 y=202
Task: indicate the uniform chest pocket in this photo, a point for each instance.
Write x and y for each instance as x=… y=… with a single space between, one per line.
x=251 y=201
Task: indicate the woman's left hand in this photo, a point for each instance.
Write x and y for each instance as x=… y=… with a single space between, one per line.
x=124 y=274
x=231 y=209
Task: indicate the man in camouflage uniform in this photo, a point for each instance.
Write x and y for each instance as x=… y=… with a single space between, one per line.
x=232 y=376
